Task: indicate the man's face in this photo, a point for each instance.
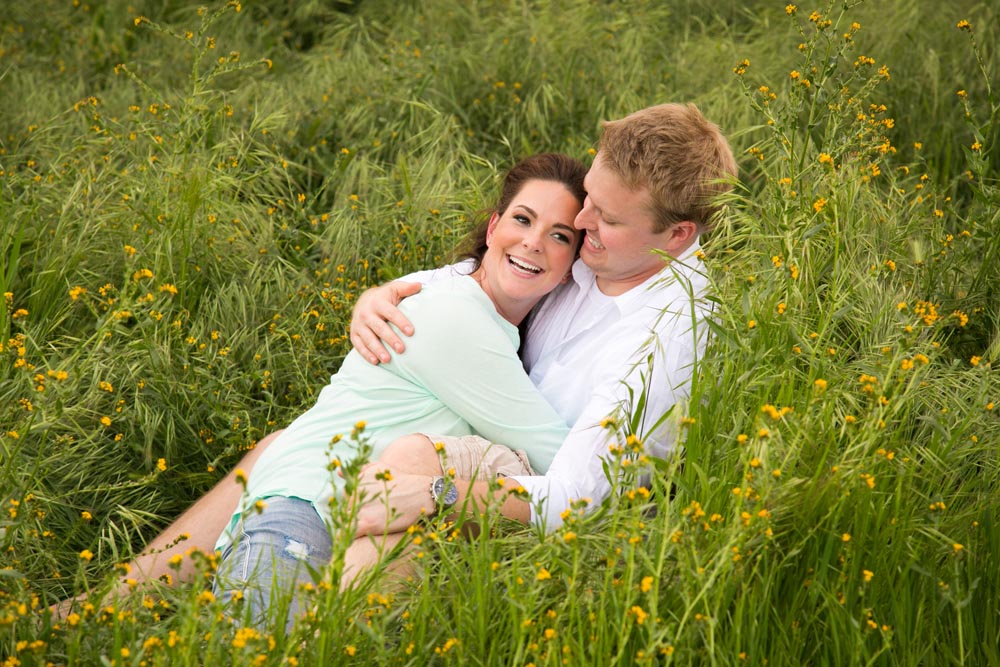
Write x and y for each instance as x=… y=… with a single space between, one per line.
x=619 y=232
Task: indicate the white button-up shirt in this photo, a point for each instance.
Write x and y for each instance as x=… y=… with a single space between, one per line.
x=592 y=356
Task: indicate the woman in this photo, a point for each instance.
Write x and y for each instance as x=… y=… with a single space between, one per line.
x=460 y=375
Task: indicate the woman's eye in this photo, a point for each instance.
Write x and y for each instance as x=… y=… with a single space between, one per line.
x=562 y=238
x=523 y=219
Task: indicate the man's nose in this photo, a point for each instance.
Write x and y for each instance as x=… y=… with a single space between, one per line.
x=585 y=219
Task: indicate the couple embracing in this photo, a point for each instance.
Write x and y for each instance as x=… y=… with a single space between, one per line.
x=579 y=290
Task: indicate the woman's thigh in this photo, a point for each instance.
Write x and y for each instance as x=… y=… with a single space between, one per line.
x=273 y=554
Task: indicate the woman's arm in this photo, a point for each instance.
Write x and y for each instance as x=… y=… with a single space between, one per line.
x=467 y=359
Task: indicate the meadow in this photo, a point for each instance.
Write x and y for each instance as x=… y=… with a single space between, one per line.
x=192 y=197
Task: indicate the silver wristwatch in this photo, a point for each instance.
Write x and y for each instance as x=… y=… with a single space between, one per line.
x=443 y=492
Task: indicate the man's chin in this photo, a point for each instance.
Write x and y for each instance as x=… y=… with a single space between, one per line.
x=590 y=258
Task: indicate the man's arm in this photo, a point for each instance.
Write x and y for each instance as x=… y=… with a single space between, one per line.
x=376 y=308
x=661 y=373
x=409 y=493
x=408 y=496
x=578 y=469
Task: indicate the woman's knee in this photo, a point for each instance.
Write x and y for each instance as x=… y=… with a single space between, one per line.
x=414 y=454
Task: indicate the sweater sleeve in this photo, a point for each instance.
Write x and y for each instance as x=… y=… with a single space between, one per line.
x=462 y=355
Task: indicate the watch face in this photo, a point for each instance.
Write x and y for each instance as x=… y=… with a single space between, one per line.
x=446 y=497
x=451 y=497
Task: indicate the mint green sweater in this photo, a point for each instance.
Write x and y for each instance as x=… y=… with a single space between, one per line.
x=460 y=374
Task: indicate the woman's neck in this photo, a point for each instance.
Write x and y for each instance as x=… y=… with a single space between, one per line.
x=512 y=310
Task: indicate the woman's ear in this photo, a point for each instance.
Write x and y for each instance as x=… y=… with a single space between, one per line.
x=494 y=219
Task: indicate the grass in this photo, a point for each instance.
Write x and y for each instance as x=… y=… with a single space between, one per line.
x=192 y=199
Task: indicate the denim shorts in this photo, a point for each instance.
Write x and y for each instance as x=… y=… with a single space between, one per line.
x=272 y=554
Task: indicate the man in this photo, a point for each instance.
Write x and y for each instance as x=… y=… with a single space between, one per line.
x=628 y=322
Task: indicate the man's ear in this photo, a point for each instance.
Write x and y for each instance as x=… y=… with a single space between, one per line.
x=680 y=236
x=494 y=219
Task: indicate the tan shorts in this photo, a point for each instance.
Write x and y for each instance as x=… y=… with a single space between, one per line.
x=476 y=458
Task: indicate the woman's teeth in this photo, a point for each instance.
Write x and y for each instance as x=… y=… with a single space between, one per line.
x=524 y=266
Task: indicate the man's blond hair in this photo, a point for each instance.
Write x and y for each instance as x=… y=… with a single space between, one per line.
x=681 y=158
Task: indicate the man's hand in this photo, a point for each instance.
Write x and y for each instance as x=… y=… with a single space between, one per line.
x=409 y=498
x=376 y=307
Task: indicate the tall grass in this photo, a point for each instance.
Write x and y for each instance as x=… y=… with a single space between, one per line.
x=191 y=199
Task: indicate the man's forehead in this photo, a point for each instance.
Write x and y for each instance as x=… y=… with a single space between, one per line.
x=608 y=192
x=601 y=182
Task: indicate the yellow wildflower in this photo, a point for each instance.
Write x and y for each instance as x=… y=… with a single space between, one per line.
x=639 y=614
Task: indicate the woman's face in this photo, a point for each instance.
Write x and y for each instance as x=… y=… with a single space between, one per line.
x=531 y=247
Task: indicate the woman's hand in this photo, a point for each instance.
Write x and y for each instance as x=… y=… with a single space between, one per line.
x=375 y=309
x=392 y=501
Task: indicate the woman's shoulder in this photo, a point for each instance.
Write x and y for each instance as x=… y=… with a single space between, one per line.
x=457 y=303
x=461 y=292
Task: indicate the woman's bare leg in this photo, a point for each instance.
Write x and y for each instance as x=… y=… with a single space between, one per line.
x=197 y=528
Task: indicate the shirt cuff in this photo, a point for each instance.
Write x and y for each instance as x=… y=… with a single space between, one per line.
x=547 y=500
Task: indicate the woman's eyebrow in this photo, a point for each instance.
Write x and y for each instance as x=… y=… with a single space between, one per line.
x=528 y=209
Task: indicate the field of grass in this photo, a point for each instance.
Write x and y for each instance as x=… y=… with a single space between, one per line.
x=192 y=197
